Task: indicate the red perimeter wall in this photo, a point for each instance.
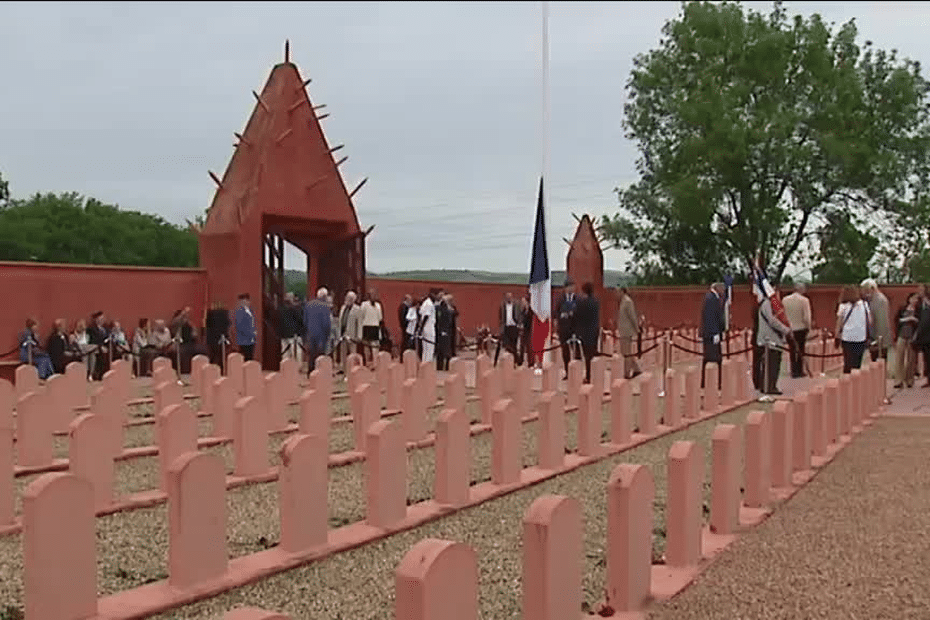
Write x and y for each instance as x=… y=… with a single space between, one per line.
x=71 y=292
x=49 y=291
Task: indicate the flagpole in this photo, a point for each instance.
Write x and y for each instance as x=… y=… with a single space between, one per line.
x=547 y=357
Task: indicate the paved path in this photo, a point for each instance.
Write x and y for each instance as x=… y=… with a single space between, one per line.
x=854 y=544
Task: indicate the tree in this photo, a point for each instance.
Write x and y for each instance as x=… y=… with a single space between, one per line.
x=68 y=228
x=4 y=192
x=754 y=130
x=845 y=251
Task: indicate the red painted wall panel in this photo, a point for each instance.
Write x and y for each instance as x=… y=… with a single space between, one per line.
x=48 y=292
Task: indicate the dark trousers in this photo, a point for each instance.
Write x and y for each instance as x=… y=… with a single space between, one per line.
x=925 y=348
x=314 y=350
x=712 y=353
x=508 y=342
x=797 y=349
x=443 y=350
x=216 y=353
x=511 y=335
x=247 y=351
x=566 y=349
x=852 y=355
x=588 y=350
x=527 y=348
x=767 y=383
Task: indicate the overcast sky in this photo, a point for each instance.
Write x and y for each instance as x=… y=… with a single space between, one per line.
x=438 y=104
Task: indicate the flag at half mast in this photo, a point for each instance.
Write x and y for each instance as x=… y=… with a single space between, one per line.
x=540 y=280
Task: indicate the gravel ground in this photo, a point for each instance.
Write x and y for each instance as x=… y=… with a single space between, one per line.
x=817 y=557
x=136 y=542
x=319 y=590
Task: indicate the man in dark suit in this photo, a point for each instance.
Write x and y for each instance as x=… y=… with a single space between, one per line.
x=565 y=315
x=217 y=327
x=245 y=327
x=509 y=317
x=713 y=324
x=588 y=325
x=402 y=310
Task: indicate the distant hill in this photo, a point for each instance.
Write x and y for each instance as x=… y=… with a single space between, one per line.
x=295 y=280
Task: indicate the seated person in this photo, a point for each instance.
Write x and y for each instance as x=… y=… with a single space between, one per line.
x=79 y=342
x=57 y=347
x=120 y=343
x=160 y=340
x=31 y=353
x=142 y=350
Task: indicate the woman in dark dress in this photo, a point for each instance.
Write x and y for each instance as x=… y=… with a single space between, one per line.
x=57 y=345
x=217 y=327
x=526 y=334
x=588 y=326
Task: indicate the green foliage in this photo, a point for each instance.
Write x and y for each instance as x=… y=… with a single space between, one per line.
x=68 y=228
x=845 y=251
x=4 y=192
x=296 y=282
x=754 y=129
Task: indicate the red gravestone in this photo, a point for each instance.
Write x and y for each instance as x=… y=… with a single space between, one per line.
x=437 y=580
x=552 y=560
x=59 y=548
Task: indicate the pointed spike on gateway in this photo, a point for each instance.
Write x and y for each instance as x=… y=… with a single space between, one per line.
x=283 y=135
x=219 y=184
x=319 y=107
x=336 y=148
x=287 y=50
x=322 y=116
x=297 y=104
x=241 y=139
x=260 y=101
x=342 y=161
x=358 y=187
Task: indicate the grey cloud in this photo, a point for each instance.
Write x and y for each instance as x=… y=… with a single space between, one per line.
x=438 y=103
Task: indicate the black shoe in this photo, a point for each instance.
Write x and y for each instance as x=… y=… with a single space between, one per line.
x=898 y=386
x=775 y=392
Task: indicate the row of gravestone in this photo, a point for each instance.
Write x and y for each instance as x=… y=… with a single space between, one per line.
x=97 y=439
x=438 y=579
x=61 y=507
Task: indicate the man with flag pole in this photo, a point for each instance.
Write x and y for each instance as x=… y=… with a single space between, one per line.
x=772 y=331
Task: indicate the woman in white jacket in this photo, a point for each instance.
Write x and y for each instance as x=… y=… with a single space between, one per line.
x=853 y=328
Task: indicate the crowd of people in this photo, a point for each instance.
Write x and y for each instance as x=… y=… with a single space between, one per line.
x=320 y=327
x=864 y=323
x=429 y=326
x=98 y=341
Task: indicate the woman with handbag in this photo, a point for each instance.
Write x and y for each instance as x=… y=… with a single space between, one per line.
x=853 y=328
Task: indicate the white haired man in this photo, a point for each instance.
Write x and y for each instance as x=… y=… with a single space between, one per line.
x=798 y=310
x=878 y=307
x=317 y=320
x=349 y=327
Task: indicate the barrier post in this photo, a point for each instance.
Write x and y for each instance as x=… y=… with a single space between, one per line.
x=666 y=353
x=765 y=367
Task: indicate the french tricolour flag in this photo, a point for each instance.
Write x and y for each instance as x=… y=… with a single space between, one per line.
x=540 y=282
x=764 y=290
